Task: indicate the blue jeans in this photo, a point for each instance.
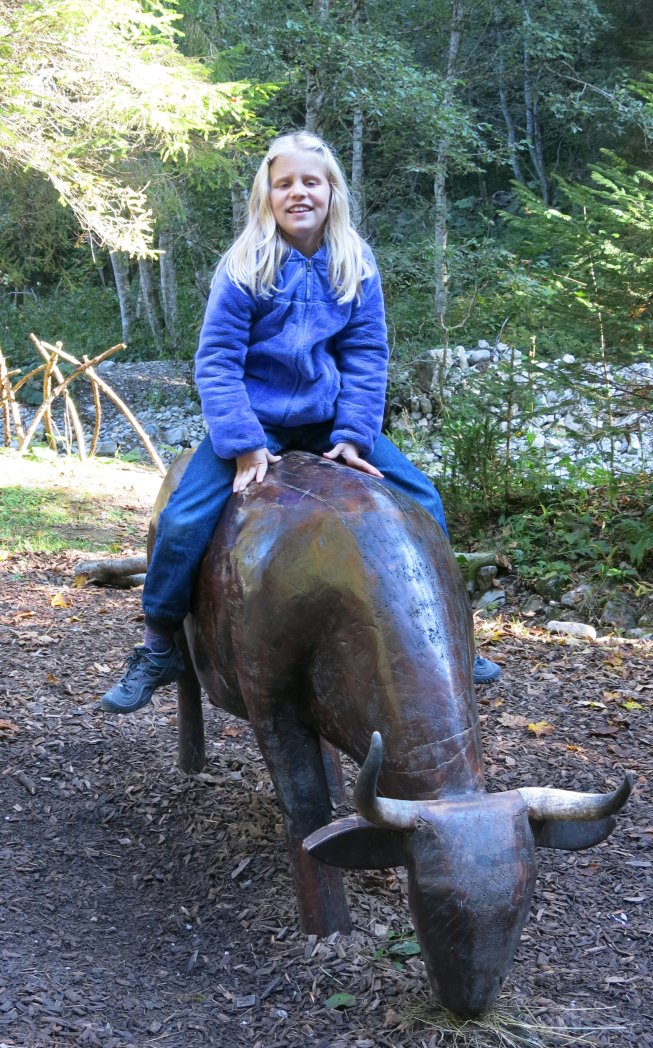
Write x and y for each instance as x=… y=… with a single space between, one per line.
x=190 y=518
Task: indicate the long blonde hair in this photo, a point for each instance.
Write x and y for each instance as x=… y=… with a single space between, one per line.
x=254 y=259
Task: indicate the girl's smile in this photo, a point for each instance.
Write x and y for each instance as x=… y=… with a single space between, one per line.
x=299 y=198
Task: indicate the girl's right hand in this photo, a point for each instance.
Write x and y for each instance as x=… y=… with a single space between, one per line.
x=252 y=466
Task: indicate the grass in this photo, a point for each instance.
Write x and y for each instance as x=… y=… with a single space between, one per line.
x=501 y=1028
x=48 y=521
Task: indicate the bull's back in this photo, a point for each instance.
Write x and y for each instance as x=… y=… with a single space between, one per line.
x=321 y=587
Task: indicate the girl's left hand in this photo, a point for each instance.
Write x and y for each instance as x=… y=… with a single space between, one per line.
x=349 y=452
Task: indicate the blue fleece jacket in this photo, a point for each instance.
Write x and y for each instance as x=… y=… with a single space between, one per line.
x=294 y=358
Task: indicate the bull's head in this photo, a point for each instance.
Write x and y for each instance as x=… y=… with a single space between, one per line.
x=471 y=868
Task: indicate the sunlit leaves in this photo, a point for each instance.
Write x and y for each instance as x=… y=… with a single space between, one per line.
x=90 y=85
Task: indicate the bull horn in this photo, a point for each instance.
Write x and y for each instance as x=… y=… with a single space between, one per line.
x=558 y=805
x=381 y=811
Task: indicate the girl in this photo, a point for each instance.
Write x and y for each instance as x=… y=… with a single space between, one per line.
x=293 y=352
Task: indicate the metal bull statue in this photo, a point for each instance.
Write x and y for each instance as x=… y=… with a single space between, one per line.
x=329 y=607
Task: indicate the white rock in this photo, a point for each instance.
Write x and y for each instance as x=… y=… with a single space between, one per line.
x=460 y=358
x=634 y=444
x=580 y=630
x=478 y=356
x=573 y=425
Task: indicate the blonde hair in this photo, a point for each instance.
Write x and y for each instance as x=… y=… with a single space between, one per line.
x=254 y=259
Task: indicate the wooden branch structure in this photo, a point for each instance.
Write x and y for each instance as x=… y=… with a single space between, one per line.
x=84 y=367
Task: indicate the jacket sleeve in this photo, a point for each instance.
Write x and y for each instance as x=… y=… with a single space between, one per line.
x=362 y=356
x=219 y=369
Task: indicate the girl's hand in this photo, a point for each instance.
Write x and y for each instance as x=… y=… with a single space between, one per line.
x=252 y=466
x=349 y=452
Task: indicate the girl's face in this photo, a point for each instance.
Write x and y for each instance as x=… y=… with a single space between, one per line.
x=300 y=197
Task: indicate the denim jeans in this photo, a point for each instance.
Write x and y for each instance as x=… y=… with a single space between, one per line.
x=190 y=517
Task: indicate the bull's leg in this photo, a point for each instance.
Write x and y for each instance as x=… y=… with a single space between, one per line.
x=292 y=753
x=333 y=772
x=190 y=720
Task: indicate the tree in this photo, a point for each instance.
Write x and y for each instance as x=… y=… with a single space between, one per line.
x=88 y=86
x=591 y=256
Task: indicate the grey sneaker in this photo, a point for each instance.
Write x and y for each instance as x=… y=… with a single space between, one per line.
x=485 y=671
x=145 y=671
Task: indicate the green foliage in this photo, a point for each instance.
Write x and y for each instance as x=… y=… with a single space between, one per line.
x=109 y=87
x=87 y=320
x=398 y=947
x=598 y=532
x=590 y=258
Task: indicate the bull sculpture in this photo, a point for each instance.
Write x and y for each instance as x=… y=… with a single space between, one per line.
x=331 y=608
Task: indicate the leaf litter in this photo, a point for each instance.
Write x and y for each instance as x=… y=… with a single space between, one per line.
x=142 y=907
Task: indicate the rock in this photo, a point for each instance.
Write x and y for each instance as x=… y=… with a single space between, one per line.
x=533 y=605
x=427 y=368
x=478 y=356
x=573 y=597
x=619 y=614
x=572 y=629
x=572 y=425
x=639 y=634
x=485 y=578
x=494 y=597
x=176 y=435
x=634 y=444
x=551 y=587
x=460 y=358
x=107 y=447
x=645 y=621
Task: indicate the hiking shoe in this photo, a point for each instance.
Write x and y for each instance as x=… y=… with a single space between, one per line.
x=485 y=671
x=145 y=671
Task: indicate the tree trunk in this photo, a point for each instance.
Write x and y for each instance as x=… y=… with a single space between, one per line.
x=533 y=132
x=239 y=197
x=150 y=301
x=357 y=172
x=503 y=100
x=441 y=231
x=120 y=265
x=169 y=290
x=314 y=91
x=357 y=136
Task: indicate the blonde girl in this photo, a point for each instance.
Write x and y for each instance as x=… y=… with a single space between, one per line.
x=293 y=354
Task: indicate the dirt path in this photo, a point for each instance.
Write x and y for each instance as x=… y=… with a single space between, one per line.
x=142 y=907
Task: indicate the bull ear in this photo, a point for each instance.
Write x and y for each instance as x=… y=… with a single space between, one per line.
x=355 y=844
x=572 y=836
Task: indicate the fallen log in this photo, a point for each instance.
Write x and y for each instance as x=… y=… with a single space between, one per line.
x=121 y=572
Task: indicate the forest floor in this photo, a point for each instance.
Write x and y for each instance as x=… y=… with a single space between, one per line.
x=144 y=907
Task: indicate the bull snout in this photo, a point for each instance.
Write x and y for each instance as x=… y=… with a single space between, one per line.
x=471 y=874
